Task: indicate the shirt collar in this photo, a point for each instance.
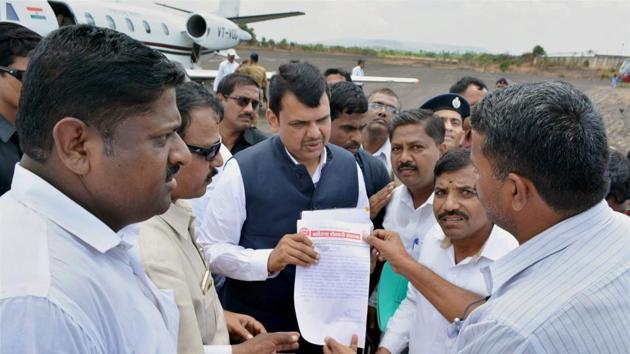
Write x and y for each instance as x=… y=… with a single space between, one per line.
x=6 y=129
x=407 y=199
x=37 y=194
x=318 y=170
x=553 y=240
x=385 y=149
x=179 y=216
x=492 y=249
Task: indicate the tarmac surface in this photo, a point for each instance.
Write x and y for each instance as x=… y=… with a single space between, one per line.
x=436 y=78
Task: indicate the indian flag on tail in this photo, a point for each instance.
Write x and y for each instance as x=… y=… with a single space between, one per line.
x=36 y=13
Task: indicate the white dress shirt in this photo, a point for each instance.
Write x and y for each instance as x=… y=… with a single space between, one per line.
x=417 y=322
x=221 y=232
x=68 y=283
x=199 y=205
x=567 y=290
x=358 y=71
x=410 y=222
x=225 y=69
x=384 y=154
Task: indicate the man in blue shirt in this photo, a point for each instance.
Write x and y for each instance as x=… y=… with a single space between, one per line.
x=541 y=153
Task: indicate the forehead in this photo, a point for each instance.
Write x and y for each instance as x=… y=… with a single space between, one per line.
x=249 y=91
x=20 y=63
x=333 y=78
x=448 y=113
x=464 y=177
x=353 y=119
x=383 y=98
x=292 y=109
x=410 y=133
x=203 y=127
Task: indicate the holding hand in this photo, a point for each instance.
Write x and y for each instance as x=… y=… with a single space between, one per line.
x=296 y=249
x=380 y=199
x=268 y=343
x=242 y=327
x=390 y=248
x=334 y=347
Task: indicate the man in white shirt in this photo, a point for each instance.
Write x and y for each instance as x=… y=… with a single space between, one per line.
x=383 y=104
x=357 y=71
x=251 y=236
x=100 y=153
x=226 y=67
x=448 y=267
x=417 y=138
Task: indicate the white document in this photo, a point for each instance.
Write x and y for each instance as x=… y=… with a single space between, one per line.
x=350 y=215
x=331 y=297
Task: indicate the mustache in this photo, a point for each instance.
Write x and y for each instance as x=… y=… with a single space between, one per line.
x=407 y=166
x=352 y=145
x=171 y=171
x=246 y=114
x=453 y=213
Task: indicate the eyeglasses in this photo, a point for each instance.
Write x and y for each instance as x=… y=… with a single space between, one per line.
x=244 y=101
x=16 y=73
x=377 y=106
x=210 y=154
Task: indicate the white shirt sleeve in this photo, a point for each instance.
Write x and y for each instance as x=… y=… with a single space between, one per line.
x=36 y=325
x=220 y=74
x=396 y=336
x=221 y=233
x=363 y=202
x=217 y=349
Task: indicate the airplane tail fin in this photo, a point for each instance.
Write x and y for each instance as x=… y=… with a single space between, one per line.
x=229 y=8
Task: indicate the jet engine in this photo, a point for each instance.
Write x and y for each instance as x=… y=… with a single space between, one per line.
x=214 y=32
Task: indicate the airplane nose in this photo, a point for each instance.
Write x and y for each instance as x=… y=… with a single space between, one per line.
x=244 y=35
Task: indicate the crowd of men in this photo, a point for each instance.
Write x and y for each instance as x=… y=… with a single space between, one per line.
x=146 y=214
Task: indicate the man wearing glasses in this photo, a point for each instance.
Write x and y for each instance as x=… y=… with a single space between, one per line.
x=169 y=253
x=240 y=96
x=16 y=43
x=383 y=104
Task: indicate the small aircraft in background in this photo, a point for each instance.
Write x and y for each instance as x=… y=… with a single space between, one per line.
x=182 y=35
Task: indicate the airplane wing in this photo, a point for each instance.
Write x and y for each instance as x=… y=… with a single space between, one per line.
x=257 y=18
x=202 y=74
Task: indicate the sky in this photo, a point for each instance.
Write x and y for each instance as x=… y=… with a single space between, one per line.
x=499 y=26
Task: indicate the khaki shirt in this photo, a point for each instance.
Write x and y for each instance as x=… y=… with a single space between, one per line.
x=172 y=260
x=256 y=72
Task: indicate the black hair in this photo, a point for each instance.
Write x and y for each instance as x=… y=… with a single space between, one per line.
x=94 y=74
x=254 y=57
x=301 y=79
x=360 y=61
x=462 y=84
x=453 y=160
x=551 y=134
x=191 y=95
x=433 y=125
x=16 y=41
x=619 y=175
x=338 y=71
x=348 y=98
x=387 y=92
x=229 y=83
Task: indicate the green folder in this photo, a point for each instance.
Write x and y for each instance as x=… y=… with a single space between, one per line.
x=392 y=290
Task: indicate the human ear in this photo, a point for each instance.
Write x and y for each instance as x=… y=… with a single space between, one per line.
x=71 y=137
x=521 y=190
x=272 y=119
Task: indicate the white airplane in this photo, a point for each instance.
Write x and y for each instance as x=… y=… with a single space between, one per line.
x=182 y=35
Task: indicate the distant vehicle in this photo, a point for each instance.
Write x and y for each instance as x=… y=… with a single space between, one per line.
x=624 y=71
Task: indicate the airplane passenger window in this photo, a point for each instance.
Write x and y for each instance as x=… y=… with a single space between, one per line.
x=89 y=19
x=11 y=15
x=147 y=28
x=110 y=22
x=129 y=24
x=165 y=29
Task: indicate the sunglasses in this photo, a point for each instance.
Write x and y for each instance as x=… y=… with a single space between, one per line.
x=210 y=154
x=377 y=106
x=244 y=101
x=16 y=73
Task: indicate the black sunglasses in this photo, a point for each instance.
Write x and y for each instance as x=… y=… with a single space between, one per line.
x=210 y=154
x=16 y=73
x=244 y=101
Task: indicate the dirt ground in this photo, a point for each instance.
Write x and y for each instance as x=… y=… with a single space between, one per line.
x=436 y=78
